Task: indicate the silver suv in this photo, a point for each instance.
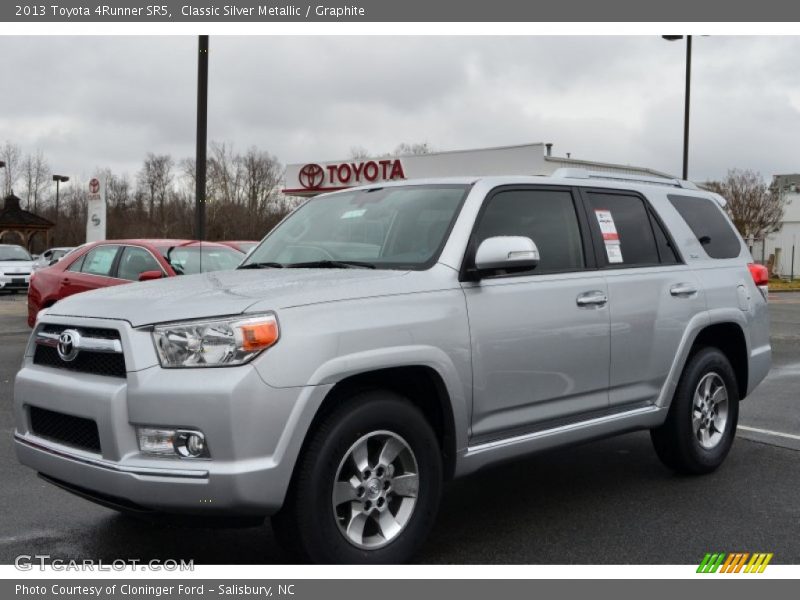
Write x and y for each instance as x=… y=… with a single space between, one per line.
x=383 y=340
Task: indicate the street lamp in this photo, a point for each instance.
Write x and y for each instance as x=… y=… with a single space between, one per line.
x=59 y=179
x=2 y=164
x=674 y=38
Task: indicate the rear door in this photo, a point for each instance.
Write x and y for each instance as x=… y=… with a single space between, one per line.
x=539 y=338
x=652 y=293
x=94 y=270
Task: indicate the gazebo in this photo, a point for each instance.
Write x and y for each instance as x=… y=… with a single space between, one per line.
x=22 y=223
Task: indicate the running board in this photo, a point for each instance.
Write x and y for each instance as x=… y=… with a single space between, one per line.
x=490 y=452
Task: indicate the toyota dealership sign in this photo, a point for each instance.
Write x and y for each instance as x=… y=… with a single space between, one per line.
x=312 y=177
x=316 y=178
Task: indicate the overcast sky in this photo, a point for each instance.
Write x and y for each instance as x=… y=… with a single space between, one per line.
x=91 y=102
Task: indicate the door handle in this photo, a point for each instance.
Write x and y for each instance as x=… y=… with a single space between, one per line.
x=593 y=298
x=683 y=290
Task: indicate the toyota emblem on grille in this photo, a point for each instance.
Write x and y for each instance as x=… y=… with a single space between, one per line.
x=68 y=345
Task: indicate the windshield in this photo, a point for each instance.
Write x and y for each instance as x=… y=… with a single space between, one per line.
x=14 y=253
x=396 y=227
x=187 y=260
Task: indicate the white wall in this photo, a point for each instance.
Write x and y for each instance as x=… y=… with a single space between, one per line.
x=788 y=235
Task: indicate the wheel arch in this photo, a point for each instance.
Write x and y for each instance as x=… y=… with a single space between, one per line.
x=423 y=385
x=729 y=338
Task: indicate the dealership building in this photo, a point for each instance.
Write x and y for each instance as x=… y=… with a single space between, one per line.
x=781 y=246
x=312 y=178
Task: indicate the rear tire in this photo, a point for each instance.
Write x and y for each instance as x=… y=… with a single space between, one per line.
x=366 y=488
x=701 y=424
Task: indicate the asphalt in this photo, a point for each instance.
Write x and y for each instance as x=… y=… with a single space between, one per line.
x=607 y=502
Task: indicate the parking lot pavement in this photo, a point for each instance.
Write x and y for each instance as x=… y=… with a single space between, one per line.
x=605 y=502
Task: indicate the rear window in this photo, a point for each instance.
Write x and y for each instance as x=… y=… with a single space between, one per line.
x=706 y=220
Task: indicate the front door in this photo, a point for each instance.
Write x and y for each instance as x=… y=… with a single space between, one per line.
x=540 y=339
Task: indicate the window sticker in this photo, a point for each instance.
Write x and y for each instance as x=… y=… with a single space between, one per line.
x=353 y=214
x=610 y=236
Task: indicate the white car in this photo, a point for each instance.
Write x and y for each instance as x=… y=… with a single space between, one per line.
x=16 y=265
x=51 y=256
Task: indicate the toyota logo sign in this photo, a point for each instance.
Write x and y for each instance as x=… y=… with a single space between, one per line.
x=311 y=176
x=94 y=185
x=68 y=345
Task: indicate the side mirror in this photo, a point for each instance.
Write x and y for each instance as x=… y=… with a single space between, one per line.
x=52 y=261
x=150 y=275
x=506 y=253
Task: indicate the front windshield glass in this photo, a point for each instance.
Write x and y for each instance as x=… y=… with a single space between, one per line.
x=14 y=253
x=187 y=260
x=395 y=227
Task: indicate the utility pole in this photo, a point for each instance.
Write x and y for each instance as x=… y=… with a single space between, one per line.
x=202 y=134
x=59 y=179
x=687 y=93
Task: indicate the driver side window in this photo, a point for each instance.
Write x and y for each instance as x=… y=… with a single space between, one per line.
x=547 y=217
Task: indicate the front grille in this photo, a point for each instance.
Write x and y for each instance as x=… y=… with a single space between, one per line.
x=95 y=332
x=65 y=429
x=108 y=364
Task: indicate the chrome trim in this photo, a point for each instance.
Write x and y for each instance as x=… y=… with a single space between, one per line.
x=88 y=344
x=111 y=466
x=528 y=437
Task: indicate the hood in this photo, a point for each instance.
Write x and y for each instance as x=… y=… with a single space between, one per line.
x=227 y=293
x=16 y=266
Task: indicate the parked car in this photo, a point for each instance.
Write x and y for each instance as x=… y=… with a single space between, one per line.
x=241 y=246
x=16 y=265
x=50 y=257
x=113 y=262
x=382 y=340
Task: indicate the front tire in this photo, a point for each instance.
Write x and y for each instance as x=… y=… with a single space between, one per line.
x=366 y=488
x=701 y=424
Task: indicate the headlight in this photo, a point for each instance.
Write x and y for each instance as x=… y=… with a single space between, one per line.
x=217 y=343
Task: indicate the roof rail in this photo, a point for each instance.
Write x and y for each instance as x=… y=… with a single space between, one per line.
x=573 y=173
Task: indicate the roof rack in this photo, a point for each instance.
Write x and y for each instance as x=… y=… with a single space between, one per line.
x=573 y=173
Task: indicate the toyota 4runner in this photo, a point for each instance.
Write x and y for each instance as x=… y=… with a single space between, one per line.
x=385 y=339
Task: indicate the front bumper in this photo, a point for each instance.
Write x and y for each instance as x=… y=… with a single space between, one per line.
x=252 y=431
x=14 y=282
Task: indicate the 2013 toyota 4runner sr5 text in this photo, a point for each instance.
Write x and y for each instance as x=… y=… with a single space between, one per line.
x=383 y=340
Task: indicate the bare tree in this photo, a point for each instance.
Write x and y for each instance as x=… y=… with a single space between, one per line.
x=12 y=156
x=35 y=175
x=358 y=153
x=155 y=179
x=402 y=149
x=755 y=208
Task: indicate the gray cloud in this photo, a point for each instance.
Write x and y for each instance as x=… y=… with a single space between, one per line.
x=91 y=102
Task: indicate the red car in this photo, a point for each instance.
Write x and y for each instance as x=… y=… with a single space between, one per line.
x=113 y=262
x=240 y=245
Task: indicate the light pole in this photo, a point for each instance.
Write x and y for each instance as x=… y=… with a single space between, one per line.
x=2 y=164
x=59 y=179
x=202 y=128
x=673 y=38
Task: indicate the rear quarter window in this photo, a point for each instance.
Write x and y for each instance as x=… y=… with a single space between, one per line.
x=706 y=220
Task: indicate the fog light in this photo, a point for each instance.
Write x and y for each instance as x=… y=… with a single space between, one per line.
x=157 y=441
x=171 y=442
x=191 y=444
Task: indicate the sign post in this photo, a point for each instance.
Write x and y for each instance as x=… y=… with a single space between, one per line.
x=96 y=211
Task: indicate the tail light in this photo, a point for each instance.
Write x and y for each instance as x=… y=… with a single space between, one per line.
x=760 y=276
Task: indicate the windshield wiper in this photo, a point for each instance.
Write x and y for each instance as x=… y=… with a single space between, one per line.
x=331 y=264
x=15 y=258
x=262 y=265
